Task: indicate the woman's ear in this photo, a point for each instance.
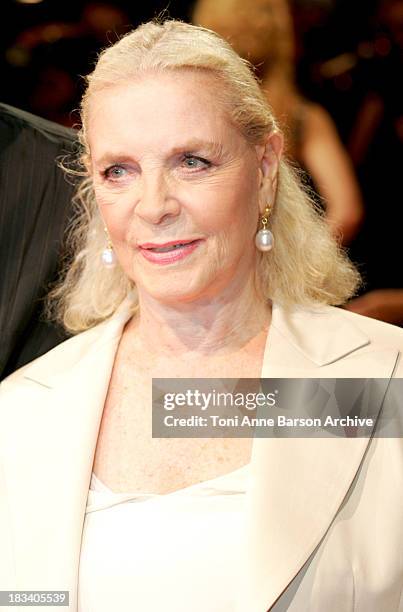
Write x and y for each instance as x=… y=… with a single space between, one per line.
x=269 y=156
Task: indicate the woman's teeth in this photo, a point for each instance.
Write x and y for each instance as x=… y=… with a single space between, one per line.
x=167 y=248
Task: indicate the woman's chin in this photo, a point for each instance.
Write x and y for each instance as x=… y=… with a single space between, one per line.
x=173 y=296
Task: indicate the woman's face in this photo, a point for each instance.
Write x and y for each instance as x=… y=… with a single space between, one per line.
x=169 y=167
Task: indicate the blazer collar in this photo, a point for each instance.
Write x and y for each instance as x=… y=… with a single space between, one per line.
x=51 y=368
x=322 y=335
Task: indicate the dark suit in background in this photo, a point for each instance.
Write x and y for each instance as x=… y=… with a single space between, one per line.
x=35 y=207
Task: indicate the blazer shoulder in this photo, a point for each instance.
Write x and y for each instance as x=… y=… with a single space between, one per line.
x=49 y=367
x=382 y=336
x=379 y=332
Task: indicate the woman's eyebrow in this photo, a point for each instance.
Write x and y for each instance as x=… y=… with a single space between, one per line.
x=214 y=148
x=111 y=158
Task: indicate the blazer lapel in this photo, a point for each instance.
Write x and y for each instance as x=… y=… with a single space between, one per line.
x=298 y=485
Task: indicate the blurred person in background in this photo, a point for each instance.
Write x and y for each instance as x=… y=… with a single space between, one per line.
x=35 y=208
x=376 y=147
x=384 y=100
x=262 y=31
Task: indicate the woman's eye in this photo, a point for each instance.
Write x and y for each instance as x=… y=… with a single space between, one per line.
x=114 y=173
x=192 y=161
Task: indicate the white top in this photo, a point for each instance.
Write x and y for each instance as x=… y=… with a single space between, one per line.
x=175 y=552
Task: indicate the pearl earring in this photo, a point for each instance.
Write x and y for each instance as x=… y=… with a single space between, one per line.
x=108 y=256
x=264 y=238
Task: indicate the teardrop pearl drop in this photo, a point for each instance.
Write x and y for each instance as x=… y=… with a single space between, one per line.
x=264 y=240
x=108 y=258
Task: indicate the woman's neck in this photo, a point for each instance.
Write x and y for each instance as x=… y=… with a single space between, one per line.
x=209 y=327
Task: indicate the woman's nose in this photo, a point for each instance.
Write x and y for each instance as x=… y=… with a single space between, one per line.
x=156 y=199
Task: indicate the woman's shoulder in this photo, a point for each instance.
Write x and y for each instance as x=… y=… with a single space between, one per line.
x=334 y=335
x=374 y=329
x=383 y=337
x=378 y=331
x=334 y=325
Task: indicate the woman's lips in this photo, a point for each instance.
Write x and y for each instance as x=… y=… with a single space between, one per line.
x=170 y=256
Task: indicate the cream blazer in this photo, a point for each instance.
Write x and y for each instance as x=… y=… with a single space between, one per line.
x=324 y=520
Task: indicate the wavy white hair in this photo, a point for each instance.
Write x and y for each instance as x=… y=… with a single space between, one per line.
x=306 y=267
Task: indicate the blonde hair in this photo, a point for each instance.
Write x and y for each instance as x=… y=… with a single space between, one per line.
x=306 y=267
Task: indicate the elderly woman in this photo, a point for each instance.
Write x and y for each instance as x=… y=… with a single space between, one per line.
x=197 y=254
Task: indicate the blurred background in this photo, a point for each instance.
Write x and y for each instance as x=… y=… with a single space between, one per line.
x=346 y=59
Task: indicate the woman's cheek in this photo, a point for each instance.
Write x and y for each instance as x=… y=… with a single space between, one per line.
x=106 y=197
x=113 y=202
x=113 y=215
